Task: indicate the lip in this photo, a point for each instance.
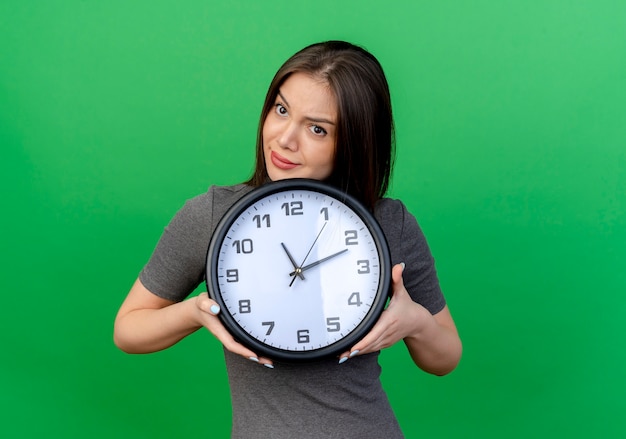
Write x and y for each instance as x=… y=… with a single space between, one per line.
x=281 y=162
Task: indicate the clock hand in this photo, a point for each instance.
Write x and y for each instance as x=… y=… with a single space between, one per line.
x=313 y=245
x=293 y=262
x=313 y=264
x=299 y=269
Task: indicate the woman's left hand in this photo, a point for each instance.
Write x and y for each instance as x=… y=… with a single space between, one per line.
x=398 y=320
x=432 y=340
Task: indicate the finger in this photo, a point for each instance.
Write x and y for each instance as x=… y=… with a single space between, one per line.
x=374 y=340
x=218 y=330
x=347 y=355
x=266 y=362
x=396 y=274
x=369 y=343
x=230 y=343
x=207 y=305
x=399 y=292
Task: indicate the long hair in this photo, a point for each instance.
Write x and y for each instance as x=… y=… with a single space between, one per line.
x=365 y=142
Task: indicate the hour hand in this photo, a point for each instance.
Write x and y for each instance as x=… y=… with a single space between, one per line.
x=297 y=271
x=313 y=264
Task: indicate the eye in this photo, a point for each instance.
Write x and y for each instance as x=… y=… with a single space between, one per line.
x=280 y=109
x=318 y=130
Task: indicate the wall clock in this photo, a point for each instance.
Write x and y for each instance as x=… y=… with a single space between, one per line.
x=301 y=270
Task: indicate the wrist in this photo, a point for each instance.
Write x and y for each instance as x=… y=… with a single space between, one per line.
x=424 y=325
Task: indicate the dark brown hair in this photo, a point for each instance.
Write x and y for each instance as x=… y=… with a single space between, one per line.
x=364 y=152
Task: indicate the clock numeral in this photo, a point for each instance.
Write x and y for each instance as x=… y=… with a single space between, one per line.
x=292 y=208
x=303 y=336
x=332 y=324
x=232 y=275
x=270 y=327
x=364 y=266
x=355 y=299
x=243 y=246
x=324 y=211
x=245 y=306
x=262 y=219
x=351 y=237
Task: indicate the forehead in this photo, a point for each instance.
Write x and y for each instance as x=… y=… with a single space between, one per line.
x=308 y=94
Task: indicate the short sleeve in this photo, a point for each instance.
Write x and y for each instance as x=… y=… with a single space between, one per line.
x=177 y=265
x=408 y=244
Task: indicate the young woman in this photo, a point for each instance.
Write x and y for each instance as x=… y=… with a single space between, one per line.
x=327 y=116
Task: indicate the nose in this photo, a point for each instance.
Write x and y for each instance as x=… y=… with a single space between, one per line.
x=288 y=138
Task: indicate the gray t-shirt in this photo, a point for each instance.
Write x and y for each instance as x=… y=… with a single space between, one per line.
x=317 y=400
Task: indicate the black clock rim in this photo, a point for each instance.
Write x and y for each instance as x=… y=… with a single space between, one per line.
x=366 y=323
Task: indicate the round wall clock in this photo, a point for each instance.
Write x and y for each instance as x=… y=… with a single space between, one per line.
x=300 y=270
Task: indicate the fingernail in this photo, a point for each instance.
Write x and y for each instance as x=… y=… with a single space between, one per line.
x=255 y=359
x=269 y=366
x=353 y=353
x=403 y=265
x=343 y=360
x=215 y=309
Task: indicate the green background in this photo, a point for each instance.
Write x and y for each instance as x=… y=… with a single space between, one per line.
x=511 y=127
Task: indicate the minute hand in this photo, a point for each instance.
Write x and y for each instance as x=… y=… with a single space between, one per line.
x=313 y=264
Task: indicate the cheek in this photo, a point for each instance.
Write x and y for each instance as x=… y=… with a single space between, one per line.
x=330 y=155
x=326 y=162
x=270 y=129
x=264 y=133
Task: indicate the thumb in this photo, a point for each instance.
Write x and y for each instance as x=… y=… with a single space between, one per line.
x=206 y=304
x=396 y=277
x=396 y=273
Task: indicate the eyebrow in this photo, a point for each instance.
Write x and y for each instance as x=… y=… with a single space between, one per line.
x=312 y=119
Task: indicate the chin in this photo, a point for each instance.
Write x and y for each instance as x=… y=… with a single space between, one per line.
x=276 y=176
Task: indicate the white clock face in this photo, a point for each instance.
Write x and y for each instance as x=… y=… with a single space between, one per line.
x=298 y=270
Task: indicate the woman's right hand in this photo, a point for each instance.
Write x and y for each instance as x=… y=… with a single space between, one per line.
x=148 y=323
x=207 y=314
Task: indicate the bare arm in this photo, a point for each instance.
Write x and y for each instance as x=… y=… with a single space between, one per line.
x=435 y=347
x=147 y=323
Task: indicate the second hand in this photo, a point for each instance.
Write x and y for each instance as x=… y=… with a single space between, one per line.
x=299 y=269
